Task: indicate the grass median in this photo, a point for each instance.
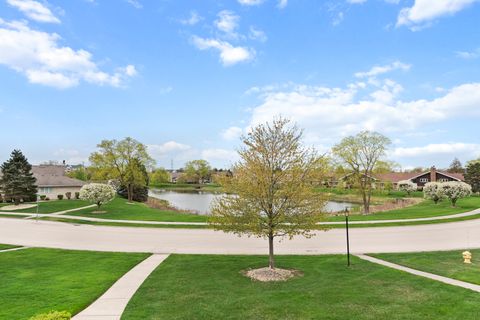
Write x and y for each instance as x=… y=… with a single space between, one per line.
x=212 y=287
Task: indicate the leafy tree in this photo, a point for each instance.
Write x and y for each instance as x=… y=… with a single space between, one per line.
x=124 y=160
x=97 y=193
x=272 y=184
x=80 y=173
x=433 y=191
x=17 y=181
x=197 y=170
x=362 y=154
x=159 y=176
x=472 y=175
x=456 y=167
x=454 y=190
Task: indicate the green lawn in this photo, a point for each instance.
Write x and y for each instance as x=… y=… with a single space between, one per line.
x=39 y=280
x=119 y=208
x=56 y=206
x=7 y=246
x=422 y=210
x=212 y=287
x=445 y=263
x=375 y=193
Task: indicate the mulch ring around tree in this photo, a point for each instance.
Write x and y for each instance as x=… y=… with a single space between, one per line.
x=268 y=275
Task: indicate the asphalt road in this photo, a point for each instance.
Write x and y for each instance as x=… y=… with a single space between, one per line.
x=447 y=236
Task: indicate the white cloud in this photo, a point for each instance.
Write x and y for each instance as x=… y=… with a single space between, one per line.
x=135 y=3
x=328 y=114
x=38 y=56
x=232 y=133
x=282 y=4
x=250 y=2
x=257 y=34
x=227 y=22
x=167 y=147
x=356 y=1
x=192 y=20
x=424 y=12
x=229 y=54
x=34 y=10
x=220 y=155
x=165 y=90
x=468 y=54
x=378 y=70
x=455 y=148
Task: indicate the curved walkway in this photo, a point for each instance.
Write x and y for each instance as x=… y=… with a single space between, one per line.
x=444 y=236
x=63 y=215
x=112 y=303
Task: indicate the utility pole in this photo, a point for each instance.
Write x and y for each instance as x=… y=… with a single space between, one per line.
x=348 y=239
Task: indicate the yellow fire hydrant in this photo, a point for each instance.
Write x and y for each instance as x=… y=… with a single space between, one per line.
x=467 y=257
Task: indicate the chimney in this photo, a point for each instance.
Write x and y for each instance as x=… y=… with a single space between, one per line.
x=433 y=174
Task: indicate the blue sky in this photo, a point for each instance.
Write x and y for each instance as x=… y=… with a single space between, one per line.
x=188 y=77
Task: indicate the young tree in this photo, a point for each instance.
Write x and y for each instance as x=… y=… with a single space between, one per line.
x=456 y=167
x=123 y=160
x=197 y=170
x=455 y=190
x=361 y=154
x=159 y=176
x=17 y=181
x=407 y=186
x=433 y=191
x=472 y=175
x=272 y=187
x=97 y=193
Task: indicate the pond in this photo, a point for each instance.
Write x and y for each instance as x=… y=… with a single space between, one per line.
x=199 y=201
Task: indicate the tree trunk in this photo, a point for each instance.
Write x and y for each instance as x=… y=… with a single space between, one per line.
x=271 y=259
x=129 y=192
x=366 y=203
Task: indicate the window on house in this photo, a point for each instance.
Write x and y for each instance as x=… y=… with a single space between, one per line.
x=423 y=179
x=443 y=180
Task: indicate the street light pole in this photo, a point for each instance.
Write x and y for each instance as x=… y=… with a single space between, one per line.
x=348 y=238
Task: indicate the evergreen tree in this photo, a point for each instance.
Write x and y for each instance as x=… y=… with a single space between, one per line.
x=456 y=167
x=472 y=175
x=17 y=182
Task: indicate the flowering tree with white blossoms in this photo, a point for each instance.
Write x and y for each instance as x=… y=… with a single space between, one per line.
x=455 y=190
x=433 y=191
x=407 y=186
x=97 y=193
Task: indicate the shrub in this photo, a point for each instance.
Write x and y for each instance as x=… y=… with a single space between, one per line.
x=77 y=195
x=407 y=186
x=68 y=195
x=47 y=199
x=53 y=315
x=42 y=197
x=433 y=191
x=98 y=193
x=60 y=196
x=455 y=190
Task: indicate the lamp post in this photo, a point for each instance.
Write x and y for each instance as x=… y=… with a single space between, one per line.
x=36 y=217
x=348 y=239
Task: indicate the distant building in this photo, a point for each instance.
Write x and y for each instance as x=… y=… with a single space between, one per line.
x=420 y=178
x=52 y=181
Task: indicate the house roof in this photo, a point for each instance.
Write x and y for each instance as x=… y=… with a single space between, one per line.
x=399 y=176
x=54 y=176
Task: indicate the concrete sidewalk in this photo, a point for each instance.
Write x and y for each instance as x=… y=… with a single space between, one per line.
x=112 y=303
x=428 y=275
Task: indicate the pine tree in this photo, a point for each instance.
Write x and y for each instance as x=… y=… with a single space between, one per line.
x=17 y=182
x=472 y=175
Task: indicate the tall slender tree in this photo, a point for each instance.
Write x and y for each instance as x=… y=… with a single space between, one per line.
x=472 y=175
x=362 y=154
x=272 y=187
x=17 y=181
